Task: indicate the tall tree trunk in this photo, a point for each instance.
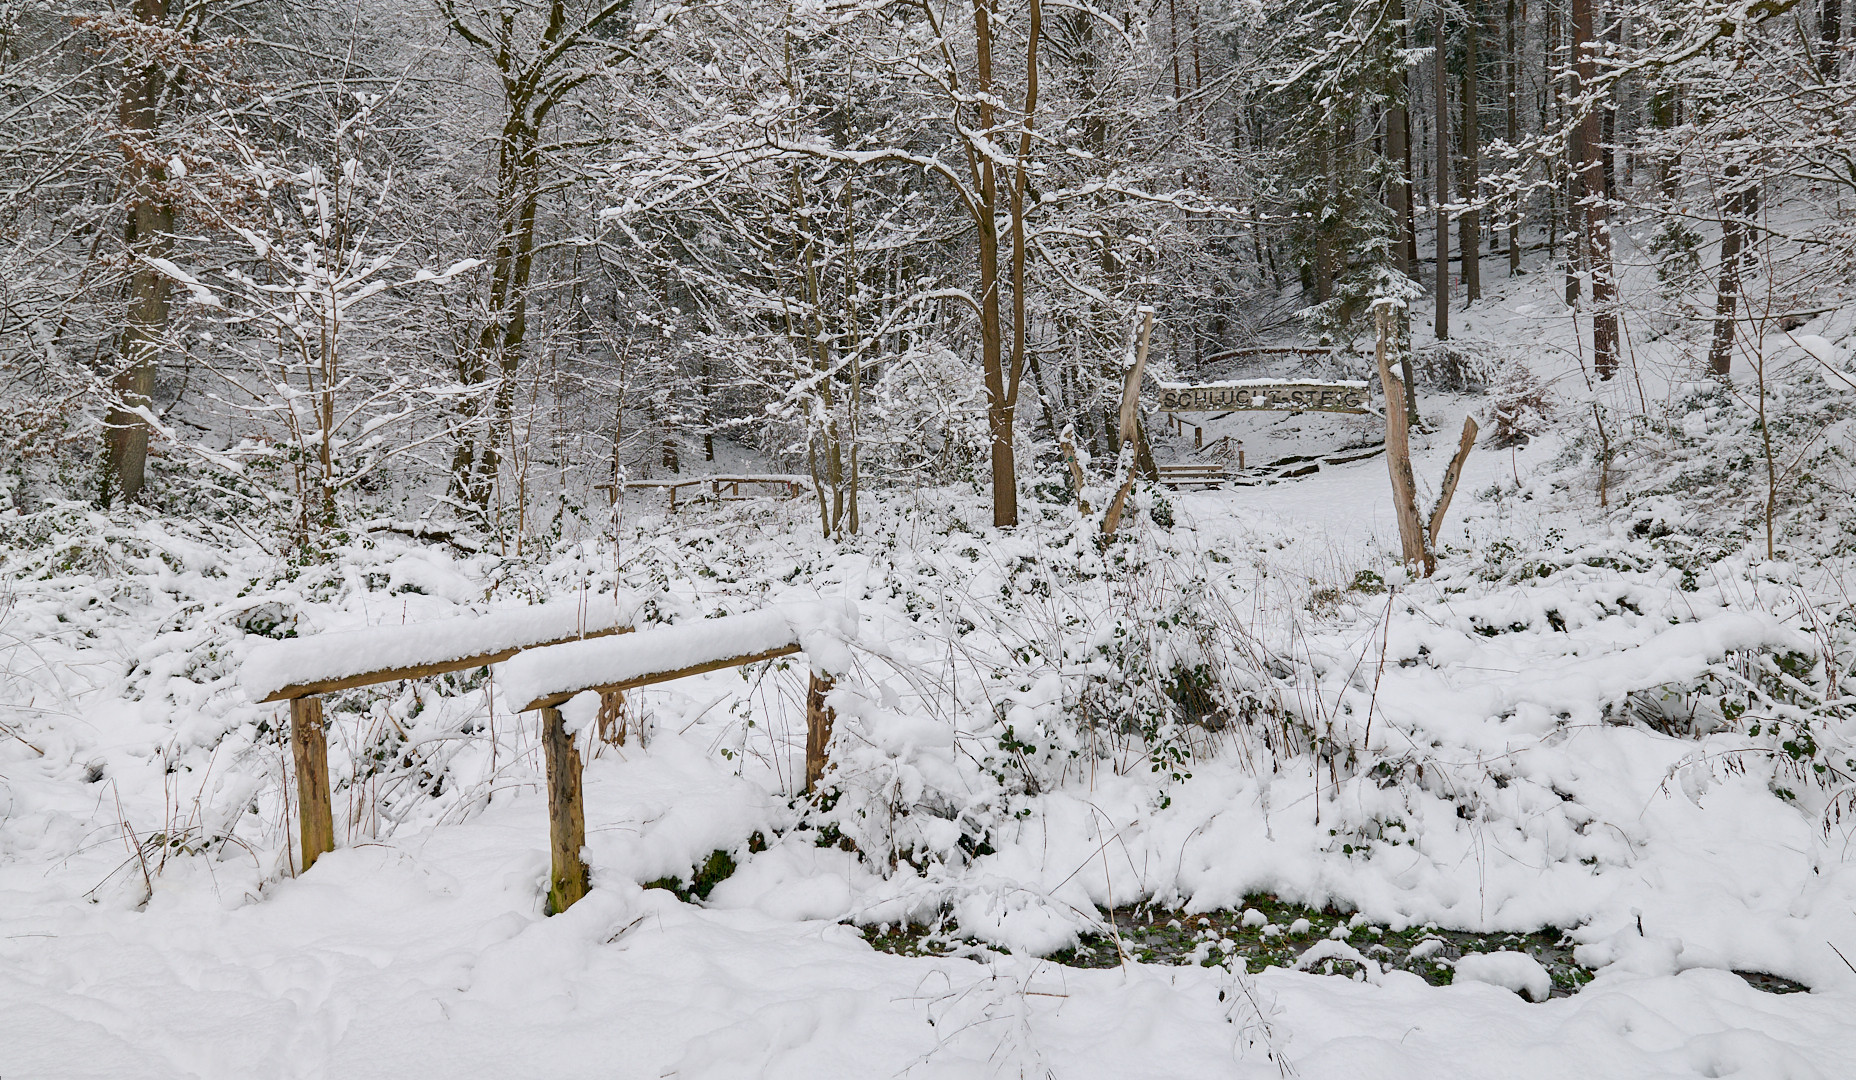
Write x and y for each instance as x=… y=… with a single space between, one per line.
x=1470 y=169
x=999 y=411
x=1663 y=117
x=1550 y=114
x=148 y=234
x=1737 y=205
x=1324 y=277
x=1597 y=225
x=1829 y=37
x=1571 y=196
x=1442 y=138
x=497 y=355
x=1512 y=69
x=542 y=51
x=1398 y=152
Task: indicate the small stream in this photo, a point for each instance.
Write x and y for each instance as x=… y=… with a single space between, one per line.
x=1267 y=932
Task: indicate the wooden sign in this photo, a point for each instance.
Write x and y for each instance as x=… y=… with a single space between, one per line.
x=1257 y=395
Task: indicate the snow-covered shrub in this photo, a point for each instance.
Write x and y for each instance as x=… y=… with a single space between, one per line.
x=1455 y=369
x=1518 y=408
x=1795 y=708
x=933 y=409
x=1676 y=251
x=1703 y=475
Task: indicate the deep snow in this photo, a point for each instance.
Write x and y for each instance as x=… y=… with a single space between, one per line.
x=150 y=925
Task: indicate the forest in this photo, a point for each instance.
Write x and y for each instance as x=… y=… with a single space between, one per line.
x=1032 y=538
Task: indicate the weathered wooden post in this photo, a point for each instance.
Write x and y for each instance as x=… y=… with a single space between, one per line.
x=309 y=746
x=1398 y=449
x=1451 y=476
x=818 y=728
x=1130 y=426
x=567 y=873
x=547 y=678
x=300 y=670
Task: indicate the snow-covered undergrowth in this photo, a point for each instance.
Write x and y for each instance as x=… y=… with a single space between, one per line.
x=1580 y=727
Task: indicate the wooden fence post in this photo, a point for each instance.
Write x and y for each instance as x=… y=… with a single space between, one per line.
x=818 y=729
x=567 y=875
x=309 y=745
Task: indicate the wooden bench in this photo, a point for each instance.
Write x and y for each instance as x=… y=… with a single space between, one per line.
x=1208 y=475
x=545 y=679
x=722 y=488
x=791 y=486
x=301 y=670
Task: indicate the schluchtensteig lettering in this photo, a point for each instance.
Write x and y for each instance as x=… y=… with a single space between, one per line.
x=1336 y=397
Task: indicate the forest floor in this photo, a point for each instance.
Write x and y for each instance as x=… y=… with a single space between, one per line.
x=1478 y=867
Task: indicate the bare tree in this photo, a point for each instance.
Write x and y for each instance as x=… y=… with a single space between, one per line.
x=542 y=51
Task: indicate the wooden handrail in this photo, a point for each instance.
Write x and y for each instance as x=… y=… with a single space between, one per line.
x=309 y=742
x=420 y=671
x=556 y=700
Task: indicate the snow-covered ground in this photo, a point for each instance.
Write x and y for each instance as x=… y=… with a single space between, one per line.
x=1445 y=752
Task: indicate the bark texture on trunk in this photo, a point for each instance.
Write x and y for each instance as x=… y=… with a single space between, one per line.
x=1829 y=37
x=1442 y=134
x=993 y=196
x=1398 y=453
x=1469 y=170
x=1512 y=69
x=148 y=234
x=1736 y=207
x=1398 y=152
x=1592 y=181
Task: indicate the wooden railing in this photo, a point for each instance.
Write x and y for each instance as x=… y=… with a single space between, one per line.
x=301 y=670
x=546 y=656
x=722 y=488
x=546 y=679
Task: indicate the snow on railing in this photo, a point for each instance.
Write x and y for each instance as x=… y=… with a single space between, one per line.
x=300 y=670
x=545 y=655
x=548 y=677
x=348 y=658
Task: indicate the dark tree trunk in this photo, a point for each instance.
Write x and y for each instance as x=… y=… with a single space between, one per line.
x=1323 y=276
x=148 y=234
x=1512 y=68
x=1597 y=227
x=1470 y=169
x=1737 y=205
x=1441 y=134
x=1829 y=37
x=1664 y=114
x=1398 y=152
